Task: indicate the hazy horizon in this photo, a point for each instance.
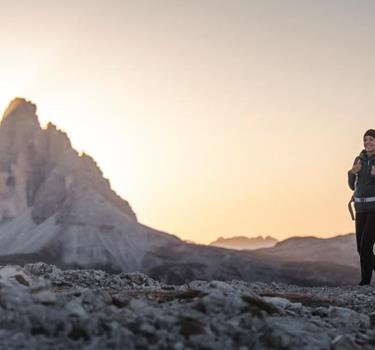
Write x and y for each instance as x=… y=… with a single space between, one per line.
x=211 y=118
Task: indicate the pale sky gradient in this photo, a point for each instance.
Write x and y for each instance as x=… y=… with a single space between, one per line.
x=211 y=117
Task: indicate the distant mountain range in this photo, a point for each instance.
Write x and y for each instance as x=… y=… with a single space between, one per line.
x=245 y=243
x=339 y=249
x=56 y=207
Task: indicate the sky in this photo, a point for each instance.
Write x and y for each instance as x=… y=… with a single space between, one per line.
x=211 y=117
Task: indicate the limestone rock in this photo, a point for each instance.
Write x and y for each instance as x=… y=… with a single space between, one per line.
x=349 y=316
x=343 y=342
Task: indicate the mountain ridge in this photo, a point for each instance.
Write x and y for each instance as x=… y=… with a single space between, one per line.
x=244 y=242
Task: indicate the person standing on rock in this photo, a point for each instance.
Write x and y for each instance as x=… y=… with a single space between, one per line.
x=361 y=179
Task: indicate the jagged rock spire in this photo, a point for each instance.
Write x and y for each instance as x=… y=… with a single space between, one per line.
x=20 y=112
x=40 y=164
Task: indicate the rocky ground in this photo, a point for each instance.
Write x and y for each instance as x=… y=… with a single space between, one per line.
x=43 y=307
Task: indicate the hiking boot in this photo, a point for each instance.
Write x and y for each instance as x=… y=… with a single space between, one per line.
x=363 y=283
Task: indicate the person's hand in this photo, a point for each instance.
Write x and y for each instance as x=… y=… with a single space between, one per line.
x=373 y=170
x=358 y=166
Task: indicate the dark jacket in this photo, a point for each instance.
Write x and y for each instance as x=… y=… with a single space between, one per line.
x=363 y=183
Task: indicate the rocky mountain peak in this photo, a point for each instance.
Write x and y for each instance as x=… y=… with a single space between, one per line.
x=20 y=113
x=55 y=203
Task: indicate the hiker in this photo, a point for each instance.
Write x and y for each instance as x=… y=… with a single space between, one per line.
x=361 y=178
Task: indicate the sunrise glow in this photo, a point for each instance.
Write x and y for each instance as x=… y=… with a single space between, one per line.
x=212 y=119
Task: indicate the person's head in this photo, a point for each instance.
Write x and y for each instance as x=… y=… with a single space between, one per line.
x=369 y=141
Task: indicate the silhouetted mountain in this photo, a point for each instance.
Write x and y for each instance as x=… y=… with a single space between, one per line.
x=242 y=242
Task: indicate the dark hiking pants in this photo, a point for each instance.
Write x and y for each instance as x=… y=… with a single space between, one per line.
x=365 y=234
